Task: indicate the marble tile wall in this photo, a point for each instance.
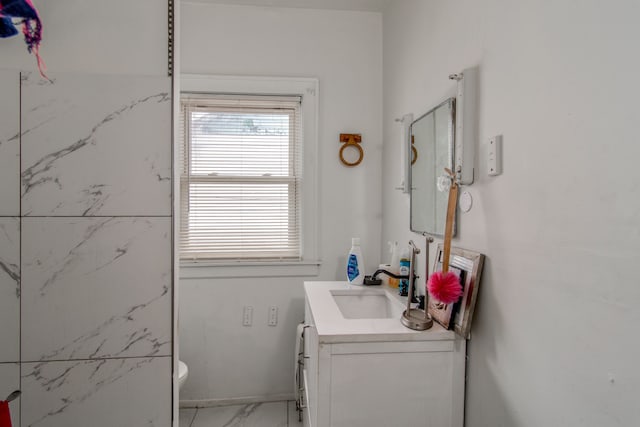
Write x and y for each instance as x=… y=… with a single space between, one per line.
x=9 y=143
x=9 y=290
x=106 y=392
x=10 y=238
x=86 y=249
x=75 y=273
x=96 y=146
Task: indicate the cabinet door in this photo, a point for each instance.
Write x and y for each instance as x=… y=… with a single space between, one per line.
x=379 y=389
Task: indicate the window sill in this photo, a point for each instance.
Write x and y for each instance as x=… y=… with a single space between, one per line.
x=212 y=270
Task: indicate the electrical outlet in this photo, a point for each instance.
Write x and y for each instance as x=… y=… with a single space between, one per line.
x=273 y=315
x=494 y=156
x=247 y=315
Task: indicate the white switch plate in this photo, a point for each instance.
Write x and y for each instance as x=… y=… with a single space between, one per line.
x=247 y=315
x=273 y=315
x=494 y=156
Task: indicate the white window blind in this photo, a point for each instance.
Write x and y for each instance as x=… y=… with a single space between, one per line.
x=241 y=172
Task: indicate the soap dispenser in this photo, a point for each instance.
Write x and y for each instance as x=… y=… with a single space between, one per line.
x=355 y=264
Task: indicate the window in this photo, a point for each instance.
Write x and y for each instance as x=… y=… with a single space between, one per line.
x=247 y=189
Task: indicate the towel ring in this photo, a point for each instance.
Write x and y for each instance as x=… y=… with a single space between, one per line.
x=351 y=140
x=414 y=151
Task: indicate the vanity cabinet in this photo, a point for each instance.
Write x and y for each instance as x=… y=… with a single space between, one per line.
x=380 y=379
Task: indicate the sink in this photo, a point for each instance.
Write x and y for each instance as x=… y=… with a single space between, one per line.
x=344 y=313
x=366 y=304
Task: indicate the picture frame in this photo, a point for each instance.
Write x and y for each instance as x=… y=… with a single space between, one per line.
x=467 y=265
x=441 y=312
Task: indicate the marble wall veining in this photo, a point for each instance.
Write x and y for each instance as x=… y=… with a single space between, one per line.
x=9 y=143
x=97 y=393
x=10 y=238
x=75 y=272
x=9 y=289
x=90 y=146
x=86 y=249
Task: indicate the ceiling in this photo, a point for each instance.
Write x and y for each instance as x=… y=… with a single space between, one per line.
x=363 y=5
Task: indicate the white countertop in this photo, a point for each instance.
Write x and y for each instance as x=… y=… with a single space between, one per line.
x=332 y=327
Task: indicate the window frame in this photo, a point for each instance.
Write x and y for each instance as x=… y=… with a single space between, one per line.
x=307 y=89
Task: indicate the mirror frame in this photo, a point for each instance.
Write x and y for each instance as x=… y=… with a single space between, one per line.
x=450 y=157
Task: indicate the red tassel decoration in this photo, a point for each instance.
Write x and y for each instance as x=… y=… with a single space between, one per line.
x=5 y=416
x=25 y=13
x=445 y=287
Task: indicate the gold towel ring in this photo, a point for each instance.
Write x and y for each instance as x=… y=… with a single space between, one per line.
x=414 y=151
x=351 y=140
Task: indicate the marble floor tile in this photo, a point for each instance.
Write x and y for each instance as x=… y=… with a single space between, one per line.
x=271 y=414
x=186 y=417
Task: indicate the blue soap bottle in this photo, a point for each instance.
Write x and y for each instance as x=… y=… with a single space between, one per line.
x=355 y=264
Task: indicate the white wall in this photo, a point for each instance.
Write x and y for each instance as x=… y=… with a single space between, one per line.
x=95 y=36
x=343 y=50
x=553 y=341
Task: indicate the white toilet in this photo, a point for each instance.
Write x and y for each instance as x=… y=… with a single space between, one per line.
x=183 y=373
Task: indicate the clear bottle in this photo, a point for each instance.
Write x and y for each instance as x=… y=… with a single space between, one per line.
x=355 y=263
x=395 y=264
x=382 y=276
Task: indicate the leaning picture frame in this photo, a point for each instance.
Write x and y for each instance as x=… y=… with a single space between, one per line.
x=441 y=312
x=468 y=267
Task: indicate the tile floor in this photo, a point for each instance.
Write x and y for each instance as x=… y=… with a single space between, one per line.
x=268 y=414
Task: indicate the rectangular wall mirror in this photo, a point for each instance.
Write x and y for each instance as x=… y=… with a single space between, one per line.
x=432 y=150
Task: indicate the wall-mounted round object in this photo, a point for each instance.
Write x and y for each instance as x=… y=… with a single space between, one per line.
x=465 y=201
x=414 y=151
x=443 y=183
x=351 y=140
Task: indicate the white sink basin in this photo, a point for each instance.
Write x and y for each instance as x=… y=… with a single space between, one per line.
x=343 y=313
x=366 y=304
